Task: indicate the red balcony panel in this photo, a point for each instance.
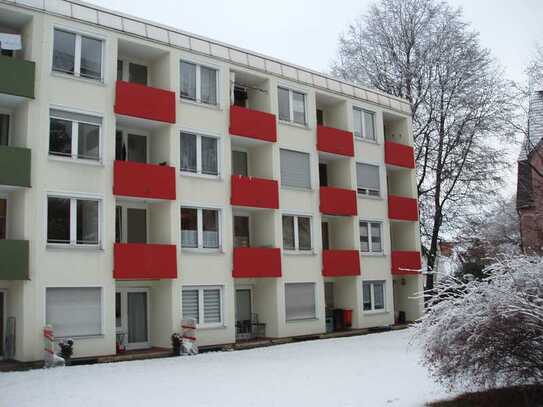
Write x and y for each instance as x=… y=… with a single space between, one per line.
x=337 y=201
x=253 y=124
x=254 y=192
x=401 y=208
x=140 y=261
x=144 y=102
x=335 y=141
x=256 y=262
x=143 y=180
x=338 y=263
x=405 y=262
x=399 y=155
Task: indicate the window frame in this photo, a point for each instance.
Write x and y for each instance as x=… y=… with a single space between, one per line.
x=370 y=243
x=9 y=113
x=198 y=79
x=74 y=197
x=125 y=132
x=73 y=157
x=200 y=228
x=126 y=61
x=315 y=299
x=291 y=92
x=77 y=54
x=296 y=226
x=198 y=172
x=367 y=194
x=201 y=314
x=362 y=110
x=372 y=284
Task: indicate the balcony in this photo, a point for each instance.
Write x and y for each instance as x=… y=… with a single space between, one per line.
x=17 y=77
x=335 y=141
x=340 y=263
x=253 y=124
x=14 y=166
x=143 y=180
x=144 y=102
x=141 y=261
x=254 y=192
x=14 y=263
x=256 y=262
x=337 y=201
x=399 y=155
x=402 y=208
x=405 y=262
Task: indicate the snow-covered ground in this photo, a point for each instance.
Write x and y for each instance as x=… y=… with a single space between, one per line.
x=372 y=370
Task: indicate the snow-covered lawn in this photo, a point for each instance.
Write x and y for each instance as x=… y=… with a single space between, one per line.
x=372 y=370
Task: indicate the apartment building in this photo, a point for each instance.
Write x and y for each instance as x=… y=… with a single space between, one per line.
x=148 y=175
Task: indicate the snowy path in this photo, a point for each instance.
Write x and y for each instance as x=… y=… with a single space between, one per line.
x=372 y=370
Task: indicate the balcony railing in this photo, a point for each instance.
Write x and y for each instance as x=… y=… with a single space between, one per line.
x=254 y=192
x=141 y=261
x=335 y=141
x=143 y=180
x=399 y=155
x=402 y=208
x=17 y=77
x=405 y=262
x=14 y=260
x=256 y=262
x=338 y=201
x=338 y=263
x=14 y=166
x=144 y=102
x=253 y=124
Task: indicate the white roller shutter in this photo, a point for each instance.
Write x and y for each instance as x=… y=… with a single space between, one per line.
x=295 y=170
x=300 y=301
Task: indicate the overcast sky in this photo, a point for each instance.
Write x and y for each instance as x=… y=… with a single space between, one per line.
x=305 y=32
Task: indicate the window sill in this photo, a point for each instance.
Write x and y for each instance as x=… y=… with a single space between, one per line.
x=201 y=176
x=210 y=327
x=369 y=197
x=365 y=140
x=79 y=337
x=57 y=246
x=298 y=189
x=201 y=250
x=99 y=82
x=216 y=107
x=289 y=321
x=296 y=125
x=75 y=160
x=306 y=253
x=372 y=254
x=375 y=312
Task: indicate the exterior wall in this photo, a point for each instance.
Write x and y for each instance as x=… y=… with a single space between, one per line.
x=78 y=267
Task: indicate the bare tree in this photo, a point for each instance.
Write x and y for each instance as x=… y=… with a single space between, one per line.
x=423 y=50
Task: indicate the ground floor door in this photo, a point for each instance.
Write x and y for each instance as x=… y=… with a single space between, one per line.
x=2 y=322
x=132 y=311
x=244 y=312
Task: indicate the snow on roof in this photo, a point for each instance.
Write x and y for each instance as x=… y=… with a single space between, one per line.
x=173 y=37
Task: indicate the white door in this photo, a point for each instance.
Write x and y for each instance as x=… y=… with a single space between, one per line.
x=132 y=316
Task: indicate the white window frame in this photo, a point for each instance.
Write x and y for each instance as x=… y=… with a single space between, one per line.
x=316 y=317
x=370 y=243
x=198 y=173
x=363 y=122
x=297 y=233
x=136 y=132
x=201 y=289
x=102 y=308
x=77 y=54
x=74 y=197
x=198 y=95
x=200 y=228
x=75 y=135
x=372 y=284
x=128 y=204
x=124 y=291
x=126 y=61
x=365 y=193
x=291 y=106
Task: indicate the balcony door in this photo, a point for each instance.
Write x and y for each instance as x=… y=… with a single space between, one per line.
x=132 y=316
x=241 y=231
x=2 y=321
x=244 y=313
x=130 y=146
x=3 y=218
x=131 y=223
x=4 y=129
x=240 y=163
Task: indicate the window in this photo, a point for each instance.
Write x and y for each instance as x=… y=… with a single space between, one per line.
x=295 y=169
x=373 y=295
x=199 y=154
x=291 y=106
x=74 y=311
x=370 y=237
x=296 y=232
x=203 y=304
x=367 y=178
x=199 y=83
x=77 y=55
x=300 y=301
x=200 y=228
x=73 y=221
x=74 y=135
x=4 y=129
x=364 y=124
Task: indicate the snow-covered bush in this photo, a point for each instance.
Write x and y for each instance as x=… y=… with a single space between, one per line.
x=482 y=334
